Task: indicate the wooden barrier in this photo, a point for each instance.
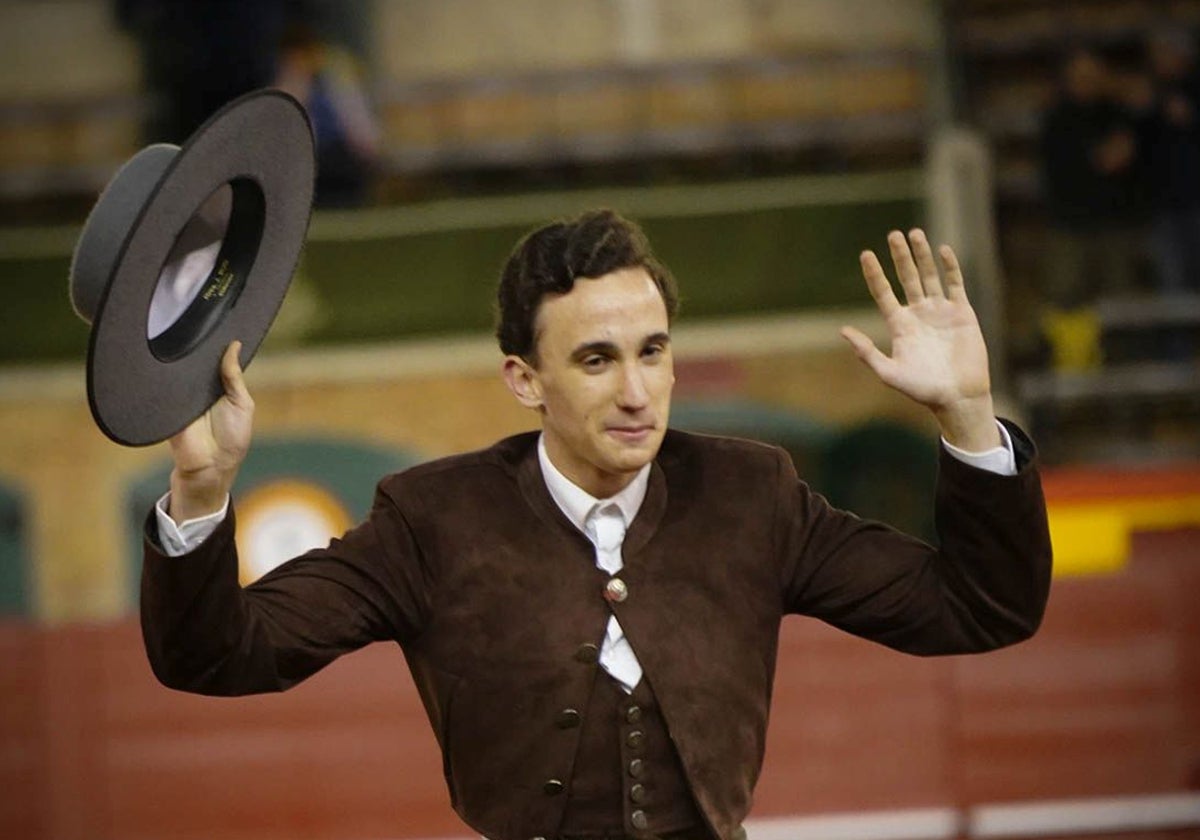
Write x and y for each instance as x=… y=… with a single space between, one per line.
x=1104 y=702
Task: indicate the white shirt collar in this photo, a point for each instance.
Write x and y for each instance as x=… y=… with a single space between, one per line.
x=576 y=503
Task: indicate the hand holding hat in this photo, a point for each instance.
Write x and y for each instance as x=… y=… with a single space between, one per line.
x=186 y=251
x=209 y=451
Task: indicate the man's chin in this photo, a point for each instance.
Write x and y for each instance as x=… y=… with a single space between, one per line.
x=634 y=452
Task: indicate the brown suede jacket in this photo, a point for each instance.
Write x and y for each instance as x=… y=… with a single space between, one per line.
x=470 y=566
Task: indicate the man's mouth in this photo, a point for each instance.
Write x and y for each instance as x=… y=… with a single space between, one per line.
x=631 y=434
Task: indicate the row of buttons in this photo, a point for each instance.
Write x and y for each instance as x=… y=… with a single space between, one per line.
x=569 y=718
x=635 y=739
x=616 y=591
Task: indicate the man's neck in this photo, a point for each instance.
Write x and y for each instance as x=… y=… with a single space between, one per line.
x=601 y=485
x=575 y=501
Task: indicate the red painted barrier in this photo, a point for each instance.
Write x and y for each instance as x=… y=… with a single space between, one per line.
x=1105 y=700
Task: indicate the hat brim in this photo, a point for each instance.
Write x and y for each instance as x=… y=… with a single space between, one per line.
x=142 y=391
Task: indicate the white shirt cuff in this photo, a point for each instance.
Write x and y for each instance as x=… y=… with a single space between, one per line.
x=1000 y=460
x=177 y=539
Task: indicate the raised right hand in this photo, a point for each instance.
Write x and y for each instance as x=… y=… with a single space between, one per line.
x=209 y=452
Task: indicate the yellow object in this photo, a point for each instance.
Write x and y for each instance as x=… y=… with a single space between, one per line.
x=1096 y=537
x=1074 y=338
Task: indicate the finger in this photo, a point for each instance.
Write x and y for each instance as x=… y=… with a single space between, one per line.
x=877 y=283
x=231 y=375
x=956 y=289
x=867 y=352
x=927 y=268
x=906 y=269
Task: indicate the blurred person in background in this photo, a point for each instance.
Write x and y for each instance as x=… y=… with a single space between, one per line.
x=327 y=80
x=1092 y=187
x=1171 y=136
x=590 y=612
x=197 y=55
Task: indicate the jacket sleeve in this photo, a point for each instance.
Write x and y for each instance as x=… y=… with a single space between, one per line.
x=204 y=633
x=984 y=587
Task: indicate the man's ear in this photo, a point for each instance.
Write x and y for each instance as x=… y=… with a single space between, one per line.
x=522 y=380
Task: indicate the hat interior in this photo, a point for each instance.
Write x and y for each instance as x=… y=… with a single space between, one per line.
x=206 y=269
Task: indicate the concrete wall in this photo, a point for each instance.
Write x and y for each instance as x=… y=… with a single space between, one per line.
x=63 y=50
x=419 y=39
x=68 y=60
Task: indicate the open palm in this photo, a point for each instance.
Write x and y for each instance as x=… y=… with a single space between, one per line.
x=938 y=355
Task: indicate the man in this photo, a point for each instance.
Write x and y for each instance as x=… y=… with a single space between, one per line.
x=1090 y=174
x=198 y=55
x=591 y=614
x=1171 y=134
x=1170 y=125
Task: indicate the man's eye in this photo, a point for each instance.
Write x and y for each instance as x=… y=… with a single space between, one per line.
x=594 y=362
x=653 y=351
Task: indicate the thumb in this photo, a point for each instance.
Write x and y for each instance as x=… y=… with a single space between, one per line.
x=867 y=352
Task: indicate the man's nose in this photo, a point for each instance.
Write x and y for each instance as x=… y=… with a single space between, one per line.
x=633 y=393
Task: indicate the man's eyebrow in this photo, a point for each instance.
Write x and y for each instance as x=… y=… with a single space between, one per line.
x=609 y=348
x=606 y=348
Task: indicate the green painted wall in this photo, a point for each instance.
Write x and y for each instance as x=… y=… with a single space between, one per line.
x=389 y=285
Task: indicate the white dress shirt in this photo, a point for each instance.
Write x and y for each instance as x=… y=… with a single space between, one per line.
x=1001 y=459
x=593 y=516
x=177 y=539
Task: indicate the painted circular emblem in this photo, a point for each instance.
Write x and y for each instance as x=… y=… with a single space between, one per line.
x=282 y=519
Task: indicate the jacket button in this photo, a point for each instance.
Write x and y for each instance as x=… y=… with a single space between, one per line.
x=638 y=818
x=636 y=768
x=567 y=719
x=633 y=714
x=637 y=794
x=635 y=739
x=587 y=653
x=616 y=590
x=553 y=787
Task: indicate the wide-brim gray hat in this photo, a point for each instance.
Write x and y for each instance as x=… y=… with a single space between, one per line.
x=186 y=250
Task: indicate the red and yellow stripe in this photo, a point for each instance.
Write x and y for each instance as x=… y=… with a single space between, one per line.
x=1095 y=511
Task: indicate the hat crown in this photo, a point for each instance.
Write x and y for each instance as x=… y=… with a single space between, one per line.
x=109 y=222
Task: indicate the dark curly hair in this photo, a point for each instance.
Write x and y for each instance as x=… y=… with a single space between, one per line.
x=547 y=261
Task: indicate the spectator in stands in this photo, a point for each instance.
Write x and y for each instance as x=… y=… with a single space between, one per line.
x=1171 y=136
x=327 y=79
x=198 y=55
x=1090 y=182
